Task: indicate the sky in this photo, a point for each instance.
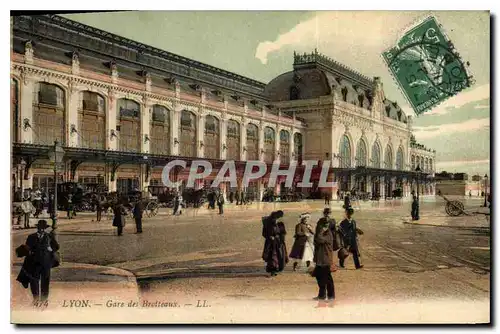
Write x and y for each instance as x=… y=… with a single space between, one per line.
x=260 y=45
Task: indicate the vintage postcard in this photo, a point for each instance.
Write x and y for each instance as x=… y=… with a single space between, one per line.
x=326 y=167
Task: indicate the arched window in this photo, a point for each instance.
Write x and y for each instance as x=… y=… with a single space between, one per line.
x=233 y=140
x=269 y=140
x=212 y=137
x=413 y=165
x=388 y=158
x=426 y=165
x=399 y=159
x=431 y=167
x=361 y=156
x=92 y=121
x=188 y=134
x=252 y=142
x=294 y=93
x=14 y=109
x=129 y=126
x=344 y=92
x=345 y=152
x=297 y=141
x=160 y=131
x=376 y=155
x=48 y=114
x=284 y=147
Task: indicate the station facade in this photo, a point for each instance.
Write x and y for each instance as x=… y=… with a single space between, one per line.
x=121 y=110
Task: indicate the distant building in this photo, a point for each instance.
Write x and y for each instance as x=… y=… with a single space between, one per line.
x=459 y=184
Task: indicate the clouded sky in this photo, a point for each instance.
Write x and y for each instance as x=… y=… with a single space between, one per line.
x=260 y=45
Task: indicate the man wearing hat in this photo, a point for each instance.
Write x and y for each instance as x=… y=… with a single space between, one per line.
x=39 y=260
x=349 y=232
x=331 y=223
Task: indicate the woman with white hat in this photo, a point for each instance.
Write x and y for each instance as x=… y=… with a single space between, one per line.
x=303 y=246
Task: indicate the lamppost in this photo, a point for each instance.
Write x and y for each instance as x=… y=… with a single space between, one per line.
x=56 y=156
x=418 y=170
x=485 y=189
x=416 y=214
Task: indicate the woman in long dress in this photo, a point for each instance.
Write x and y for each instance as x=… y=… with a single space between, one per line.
x=274 y=253
x=304 y=238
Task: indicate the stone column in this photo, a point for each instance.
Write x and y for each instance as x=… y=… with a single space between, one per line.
x=27 y=87
x=111 y=141
x=200 y=119
x=261 y=141
x=292 y=146
x=277 y=153
x=368 y=183
x=393 y=184
x=73 y=139
x=175 y=129
x=223 y=137
x=243 y=140
x=382 y=187
x=145 y=126
x=145 y=144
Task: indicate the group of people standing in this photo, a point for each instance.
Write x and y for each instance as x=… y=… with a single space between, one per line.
x=312 y=246
x=216 y=197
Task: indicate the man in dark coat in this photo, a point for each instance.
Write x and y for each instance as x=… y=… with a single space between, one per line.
x=414 y=208
x=35 y=271
x=347 y=201
x=349 y=232
x=327 y=199
x=138 y=210
x=220 y=203
x=69 y=206
x=323 y=257
x=326 y=219
x=274 y=254
x=231 y=197
x=98 y=208
x=119 y=217
x=176 y=204
x=237 y=196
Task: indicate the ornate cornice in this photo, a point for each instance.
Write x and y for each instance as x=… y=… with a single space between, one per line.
x=57 y=29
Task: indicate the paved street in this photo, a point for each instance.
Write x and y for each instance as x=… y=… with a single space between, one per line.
x=205 y=256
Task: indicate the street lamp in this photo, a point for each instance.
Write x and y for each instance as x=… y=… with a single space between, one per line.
x=56 y=156
x=416 y=215
x=485 y=189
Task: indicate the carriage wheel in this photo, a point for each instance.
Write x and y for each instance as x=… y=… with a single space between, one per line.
x=152 y=209
x=455 y=208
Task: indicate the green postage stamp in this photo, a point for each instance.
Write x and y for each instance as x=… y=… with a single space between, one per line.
x=426 y=66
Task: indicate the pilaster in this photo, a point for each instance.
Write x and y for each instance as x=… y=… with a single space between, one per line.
x=111 y=111
x=26 y=108
x=73 y=138
x=145 y=126
x=243 y=139
x=223 y=137
x=175 y=129
x=200 y=119
x=261 y=141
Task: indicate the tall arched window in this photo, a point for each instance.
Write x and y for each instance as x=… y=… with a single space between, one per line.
x=233 y=140
x=269 y=141
x=376 y=155
x=413 y=165
x=361 y=155
x=345 y=152
x=212 y=137
x=160 y=130
x=426 y=165
x=129 y=126
x=297 y=141
x=399 y=159
x=48 y=114
x=14 y=109
x=431 y=167
x=188 y=134
x=388 y=158
x=92 y=120
x=252 y=142
x=284 y=147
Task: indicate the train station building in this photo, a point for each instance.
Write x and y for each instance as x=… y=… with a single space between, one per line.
x=121 y=110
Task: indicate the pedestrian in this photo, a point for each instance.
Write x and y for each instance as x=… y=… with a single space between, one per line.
x=414 y=208
x=40 y=251
x=274 y=253
x=181 y=204
x=98 y=208
x=69 y=206
x=237 y=197
x=119 y=217
x=470 y=193
x=27 y=208
x=338 y=195
x=303 y=246
x=327 y=199
x=220 y=203
x=138 y=210
x=347 y=200
x=231 y=197
x=349 y=233
x=37 y=202
x=323 y=257
x=176 y=204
